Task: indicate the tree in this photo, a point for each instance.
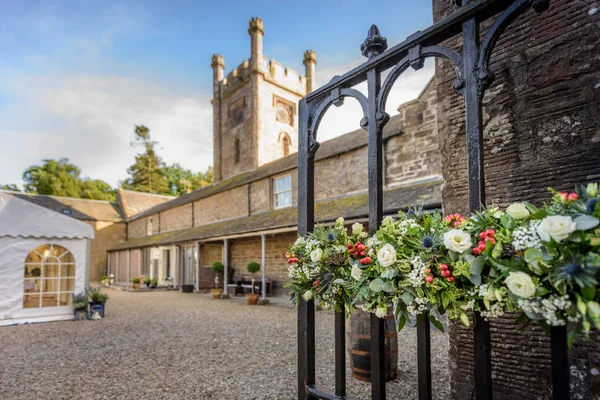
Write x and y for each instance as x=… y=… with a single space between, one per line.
x=147 y=173
x=182 y=180
x=11 y=186
x=61 y=178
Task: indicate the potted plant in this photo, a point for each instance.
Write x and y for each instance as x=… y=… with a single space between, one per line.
x=136 y=283
x=97 y=303
x=80 y=306
x=147 y=281
x=154 y=283
x=104 y=280
x=252 y=298
x=217 y=267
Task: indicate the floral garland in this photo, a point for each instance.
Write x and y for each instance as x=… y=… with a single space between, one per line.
x=543 y=262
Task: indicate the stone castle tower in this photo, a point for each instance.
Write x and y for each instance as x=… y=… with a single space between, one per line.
x=255 y=113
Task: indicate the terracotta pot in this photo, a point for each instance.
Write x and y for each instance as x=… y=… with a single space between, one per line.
x=252 y=299
x=216 y=293
x=136 y=286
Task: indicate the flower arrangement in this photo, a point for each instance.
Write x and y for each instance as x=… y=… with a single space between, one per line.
x=320 y=265
x=542 y=261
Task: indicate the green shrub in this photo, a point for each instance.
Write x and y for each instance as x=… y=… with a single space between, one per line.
x=218 y=266
x=253 y=267
x=136 y=280
x=104 y=278
x=97 y=296
x=147 y=280
x=154 y=282
x=80 y=301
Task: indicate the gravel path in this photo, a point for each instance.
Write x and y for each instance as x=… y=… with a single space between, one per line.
x=169 y=345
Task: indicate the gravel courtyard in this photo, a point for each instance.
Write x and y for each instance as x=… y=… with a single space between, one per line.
x=169 y=345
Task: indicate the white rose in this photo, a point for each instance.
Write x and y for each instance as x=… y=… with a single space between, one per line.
x=386 y=255
x=381 y=312
x=356 y=272
x=316 y=255
x=307 y=295
x=457 y=240
x=556 y=227
x=517 y=211
x=357 y=229
x=520 y=284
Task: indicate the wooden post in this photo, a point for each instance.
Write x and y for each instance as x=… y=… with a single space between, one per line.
x=264 y=266
x=225 y=294
x=128 y=265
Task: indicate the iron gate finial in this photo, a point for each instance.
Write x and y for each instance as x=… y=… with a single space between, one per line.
x=374 y=44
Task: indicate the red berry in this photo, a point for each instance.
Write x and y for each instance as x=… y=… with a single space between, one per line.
x=446 y=273
x=481 y=246
x=367 y=260
x=358 y=244
x=350 y=246
x=429 y=278
x=483 y=235
x=443 y=267
x=476 y=251
x=573 y=196
x=493 y=240
x=564 y=196
x=361 y=247
x=315 y=283
x=427 y=271
x=450 y=279
x=362 y=253
x=457 y=223
x=491 y=232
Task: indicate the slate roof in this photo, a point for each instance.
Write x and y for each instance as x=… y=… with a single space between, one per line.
x=81 y=209
x=339 y=145
x=349 y=207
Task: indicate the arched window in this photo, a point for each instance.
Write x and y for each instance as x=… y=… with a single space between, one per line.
x=236 y=150
x=49 y=279
x=285 y=142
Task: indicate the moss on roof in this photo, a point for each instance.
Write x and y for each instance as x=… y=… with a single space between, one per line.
x=353 y=206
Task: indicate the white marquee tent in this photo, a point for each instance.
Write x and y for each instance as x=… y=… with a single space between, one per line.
x=44 y=259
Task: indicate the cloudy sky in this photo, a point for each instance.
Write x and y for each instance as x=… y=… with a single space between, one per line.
x=76 y=76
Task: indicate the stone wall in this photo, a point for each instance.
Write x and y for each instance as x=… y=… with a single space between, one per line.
x=542 y=122
x=225 y=205
x=176 y=218
x=106 y=236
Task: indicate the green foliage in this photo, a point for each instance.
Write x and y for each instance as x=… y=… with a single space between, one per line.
x=103 y=277
x=97 y=296
x=147 y=173
x=136 y=280
x=61 y=178
x=253 y=267
x=154 y=282
x=218 y=266
x=12 y=187
x=80 y=301
x=182 y=180
x=147 y=281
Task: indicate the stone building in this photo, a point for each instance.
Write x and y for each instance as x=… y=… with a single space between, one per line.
x=253 y=199
x=541 y=129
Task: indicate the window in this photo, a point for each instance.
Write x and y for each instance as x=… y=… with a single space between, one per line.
x=49 y=277
x=149 y=229
x=285 y=143
x=236 y=150
x=282 y=191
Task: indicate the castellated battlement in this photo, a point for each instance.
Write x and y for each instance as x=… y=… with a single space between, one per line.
x=236 y=78
x=286 y=77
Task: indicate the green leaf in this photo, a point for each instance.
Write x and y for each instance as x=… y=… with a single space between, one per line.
x=407 y=298
x=387 y=287
x=476 y=266
x=401 y=322
x=376 y=285
x=340 y=281
x=589 y=293
x=497 y=251
x=436 y=323
x=445 y=300
x=540 y=291
x=464 y=318
x=571 y=338
x=585 y=222
x=475 y=279
x=453 y=255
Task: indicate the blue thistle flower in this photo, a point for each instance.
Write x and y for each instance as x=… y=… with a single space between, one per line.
x=427 y=242
x=591 y=205
x=572 y=269
x=331 y=236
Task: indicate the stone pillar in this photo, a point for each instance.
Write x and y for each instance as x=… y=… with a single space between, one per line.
x=218 y=66
x=128 y=265
x=225 y=294
x=256 y=32
x=264 y=269
x=117 y=274
x=310 y=60
x=199 y=262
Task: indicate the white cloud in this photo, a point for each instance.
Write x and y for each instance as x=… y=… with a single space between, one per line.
x=90 y=120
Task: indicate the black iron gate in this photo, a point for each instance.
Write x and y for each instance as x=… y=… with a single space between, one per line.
x=473 y=78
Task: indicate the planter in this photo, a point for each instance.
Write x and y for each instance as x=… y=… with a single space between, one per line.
x=136 y=286
x=80 y=315
x=216 y=293
x=252 y=299
x=187 y=288
x=95 y=306
x=105 y=283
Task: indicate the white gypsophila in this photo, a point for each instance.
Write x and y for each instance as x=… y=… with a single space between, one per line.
x=357 y=229
x=487 y=292
x=496 y=310
x=386 y=256
x=526 y=237
x=520 y=284
x=557 y=227
x=405 y=225
x=551 y=309
x=418 y=305
x=416 y=277
x=316 y=255
x=495 y=212
x=469 y=305
x=457 y=240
